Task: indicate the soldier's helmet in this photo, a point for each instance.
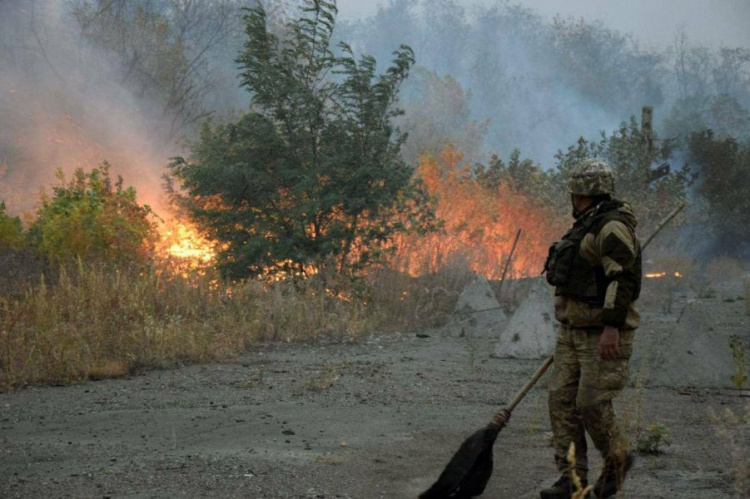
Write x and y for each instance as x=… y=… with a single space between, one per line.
x=591 y=177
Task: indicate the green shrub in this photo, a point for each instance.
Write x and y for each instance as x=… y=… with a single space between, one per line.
x=11 y=230
x=93 y=219
x=657 y=436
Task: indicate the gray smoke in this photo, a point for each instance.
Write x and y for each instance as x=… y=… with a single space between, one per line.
x=82 y=82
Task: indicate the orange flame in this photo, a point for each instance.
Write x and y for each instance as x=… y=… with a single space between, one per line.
x=189 y=245
x=184 y=248
x=479 y=224
x=659 y=275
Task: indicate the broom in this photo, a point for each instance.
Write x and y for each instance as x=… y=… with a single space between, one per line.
x=470 y=469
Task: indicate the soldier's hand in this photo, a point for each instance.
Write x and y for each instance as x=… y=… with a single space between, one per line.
x=607 y=348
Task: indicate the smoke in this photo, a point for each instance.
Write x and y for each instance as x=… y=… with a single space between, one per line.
x=542 y=81
x=539 y=84
x=78 y=88
x=654 y=23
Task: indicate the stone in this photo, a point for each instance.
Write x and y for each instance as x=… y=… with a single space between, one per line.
x=477 y=312
x=532 y=330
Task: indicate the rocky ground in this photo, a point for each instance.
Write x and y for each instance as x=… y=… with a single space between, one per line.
x=378 y=418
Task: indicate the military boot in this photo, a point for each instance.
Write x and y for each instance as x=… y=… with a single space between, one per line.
x=563 y=488
x=613 y=475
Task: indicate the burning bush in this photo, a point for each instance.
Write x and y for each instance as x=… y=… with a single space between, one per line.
x=93 y=219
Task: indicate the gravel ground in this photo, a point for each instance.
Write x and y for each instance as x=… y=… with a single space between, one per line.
x=374 y=419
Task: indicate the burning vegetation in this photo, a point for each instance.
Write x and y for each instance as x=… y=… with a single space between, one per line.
x=479 y=221
x=182 y=247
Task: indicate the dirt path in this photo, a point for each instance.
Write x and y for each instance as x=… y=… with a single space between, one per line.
x=375 y=419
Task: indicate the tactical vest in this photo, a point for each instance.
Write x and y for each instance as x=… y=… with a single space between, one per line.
x=572 y=275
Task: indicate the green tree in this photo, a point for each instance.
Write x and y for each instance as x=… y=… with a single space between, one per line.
x=11 y=230
x=312 y=174
x=721 y=113
x=522 y=175
x=724 y=166
x=632 y=158
x=93 y=219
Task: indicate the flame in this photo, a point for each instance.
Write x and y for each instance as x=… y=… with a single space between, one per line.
x=184 y=248
x=659 y=275
x=480 y=224
x=655 y=275
x=189 y=245
x=338 y=295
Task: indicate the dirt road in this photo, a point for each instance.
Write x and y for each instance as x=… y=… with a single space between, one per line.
x=374 y=419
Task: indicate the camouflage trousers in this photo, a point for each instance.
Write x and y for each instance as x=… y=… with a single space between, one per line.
x=581 y=390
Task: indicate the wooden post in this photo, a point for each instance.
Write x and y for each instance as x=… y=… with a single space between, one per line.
x=647 y=119
x=747 y=295
x=507 y=265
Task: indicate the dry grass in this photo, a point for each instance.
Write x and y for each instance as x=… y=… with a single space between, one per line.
x=654 y=440
x=580 y=491
x=401 y=302
x=324 y=379
x=97 y=323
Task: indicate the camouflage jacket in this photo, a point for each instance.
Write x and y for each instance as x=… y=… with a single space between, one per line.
x=609 y=255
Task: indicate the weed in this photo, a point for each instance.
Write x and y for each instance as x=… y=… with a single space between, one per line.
x=402 y=302
x=91 y=322
x=738 y=359
x=632 y=417
x=471 y=349
x=580 y=491
x=734 y=430
x=657 y=436
x=328 y=375
x=535 y=422
x=255 y=379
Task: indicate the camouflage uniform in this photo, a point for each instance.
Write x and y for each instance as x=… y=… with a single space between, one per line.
x=606 y=268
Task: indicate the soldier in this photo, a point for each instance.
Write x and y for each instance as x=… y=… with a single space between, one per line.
x=596 y=271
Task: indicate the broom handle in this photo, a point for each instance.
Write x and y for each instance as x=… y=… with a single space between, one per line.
x=529 y=384
x=502 y=417
x=664 y=222
x=507 y=264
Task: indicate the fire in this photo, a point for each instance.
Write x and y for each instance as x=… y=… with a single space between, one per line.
x=659 y=275
x=184 y=247
x=479 y=225
x=189 y=245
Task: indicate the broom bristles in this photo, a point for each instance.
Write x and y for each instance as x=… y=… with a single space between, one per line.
x=468 y=472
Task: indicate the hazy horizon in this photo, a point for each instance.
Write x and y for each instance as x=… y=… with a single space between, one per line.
x=653 y=22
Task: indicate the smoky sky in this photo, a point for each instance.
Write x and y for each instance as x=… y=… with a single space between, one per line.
x=655 y=22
